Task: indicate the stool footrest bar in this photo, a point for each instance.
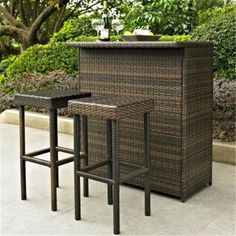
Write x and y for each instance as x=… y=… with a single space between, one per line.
x=38 y=152
x=64 y=161
x=133 y=174
x=130 y=164
x=37 y=161
x=94 y=166
x=94 y=177
x=65 y=150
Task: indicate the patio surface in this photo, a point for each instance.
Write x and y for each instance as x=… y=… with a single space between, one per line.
x=209 y=212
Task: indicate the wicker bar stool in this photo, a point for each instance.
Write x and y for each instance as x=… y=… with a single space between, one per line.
x=50 y=100
x=113 y=109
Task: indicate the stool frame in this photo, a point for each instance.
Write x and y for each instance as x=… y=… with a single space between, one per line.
x=113 y=179
x=51 y=100
x=54 y=163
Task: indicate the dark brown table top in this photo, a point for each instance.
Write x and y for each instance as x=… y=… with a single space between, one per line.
x=150 y=44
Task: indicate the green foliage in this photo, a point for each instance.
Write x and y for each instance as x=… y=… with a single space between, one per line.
x=204 y=16
x=2 y=78
x=174 y=38
x=5 y=63
x=77 y=29
x=44 y=58
x=220 y=29
x=74 y=28
x=160 y=16
x=203 y=5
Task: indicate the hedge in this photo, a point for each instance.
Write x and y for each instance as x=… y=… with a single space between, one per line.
x=4 y=64
x=43 y=59
x=74 y=28
x=220 y=29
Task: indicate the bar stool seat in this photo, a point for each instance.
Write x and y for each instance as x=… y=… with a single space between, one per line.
x=50 y=100
x=113 y=109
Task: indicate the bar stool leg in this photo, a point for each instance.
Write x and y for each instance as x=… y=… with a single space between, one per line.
x=22 y=152
x=147 y=163
x=84 y=149
x=109 y=157
x=116 y=177
x=54 y=132
x=77 y=167
x=53 y=157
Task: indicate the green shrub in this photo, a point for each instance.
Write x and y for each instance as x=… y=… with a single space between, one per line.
x=2 y=78
x=43 y=59
x=224 y=110
x=32 y=82
x=160 y=16
x=74 y=28
x=207 y=14
x=202 y=5
x=220 y=29
x=5 y=63
x=174 y=37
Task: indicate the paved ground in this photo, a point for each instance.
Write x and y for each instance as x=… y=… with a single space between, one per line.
x=209 y=212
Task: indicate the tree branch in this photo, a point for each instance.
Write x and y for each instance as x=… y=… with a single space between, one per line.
x=22 y=12
x=36 y=9
x=10 y=19
x=73 y=12
x=40 y=20
x=89 y=7
x=59 y=19
x=13 y=6
x=13 y=32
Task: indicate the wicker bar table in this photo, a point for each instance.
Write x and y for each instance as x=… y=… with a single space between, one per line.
x=178 y=76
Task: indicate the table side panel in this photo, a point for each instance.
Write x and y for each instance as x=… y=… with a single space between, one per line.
x=197 y=119
x=151 y=72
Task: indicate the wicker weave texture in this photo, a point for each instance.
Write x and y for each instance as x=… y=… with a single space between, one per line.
x=197 y=119
x=49 y=99
x=172 y=77
x=111 y=107
x=147 y=44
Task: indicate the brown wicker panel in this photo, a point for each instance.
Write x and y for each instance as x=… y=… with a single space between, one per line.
x=150 y=72
x=197 y=119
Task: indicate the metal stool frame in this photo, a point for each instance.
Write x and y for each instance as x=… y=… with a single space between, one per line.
x=113 y=162
x=51 y=105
